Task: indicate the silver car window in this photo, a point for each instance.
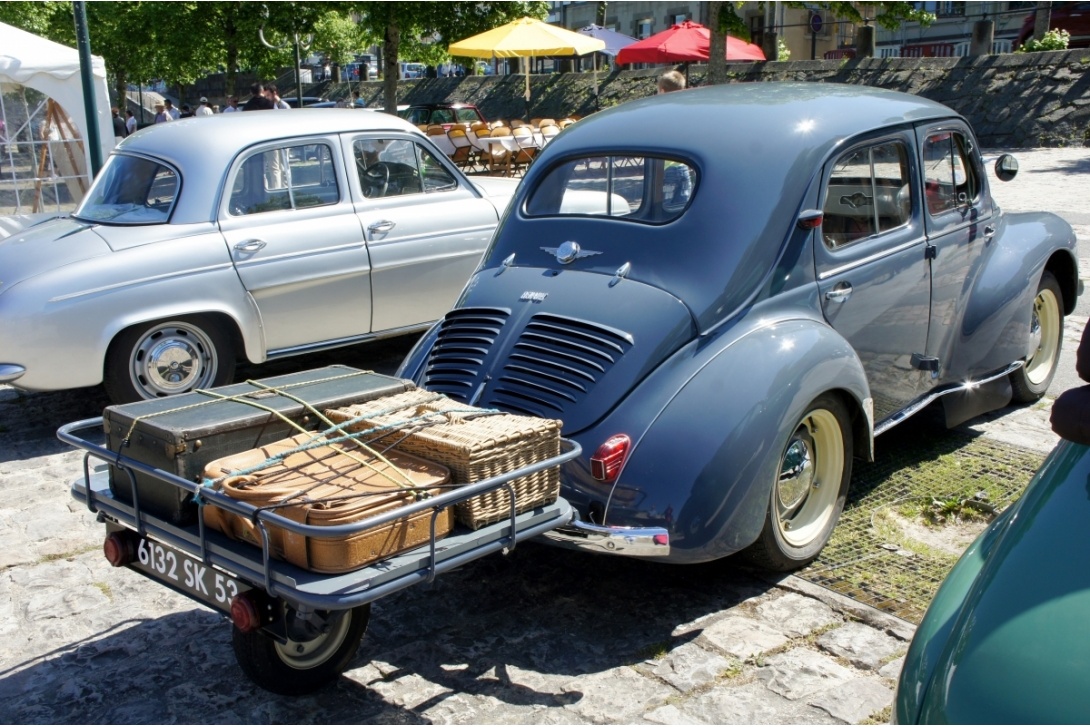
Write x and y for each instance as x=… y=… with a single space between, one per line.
x=295 y=177
x=131 y=191
x=397 y=167
x=868 y=194
x=641 y=189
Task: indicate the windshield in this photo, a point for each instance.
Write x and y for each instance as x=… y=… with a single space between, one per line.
x=131 y=191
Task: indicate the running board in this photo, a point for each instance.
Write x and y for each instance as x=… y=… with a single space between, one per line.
x=350 y=341
x=967 y=388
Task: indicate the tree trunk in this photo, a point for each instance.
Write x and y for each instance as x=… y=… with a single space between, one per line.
x=230 y=44
x=717 y=50
x=600 y=14
x=389 y=64
x=1042 y=20
x=122 y=87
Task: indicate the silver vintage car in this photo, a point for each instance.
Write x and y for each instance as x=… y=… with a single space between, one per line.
x=245 y=235
x=724 y=315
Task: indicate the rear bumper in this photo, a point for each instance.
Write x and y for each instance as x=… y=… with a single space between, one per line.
x=636 y=542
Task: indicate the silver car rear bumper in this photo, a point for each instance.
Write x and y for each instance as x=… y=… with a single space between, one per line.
x=638 y=542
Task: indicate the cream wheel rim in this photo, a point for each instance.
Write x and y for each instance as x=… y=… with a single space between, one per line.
x=1044 y=335
x=809 y=480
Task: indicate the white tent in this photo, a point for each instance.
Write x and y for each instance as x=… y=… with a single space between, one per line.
x=54 y=70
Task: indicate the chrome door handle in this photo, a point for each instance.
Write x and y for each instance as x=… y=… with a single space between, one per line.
x=250 y=245
x=989 y=231
x=381 y=228
x=840 y=293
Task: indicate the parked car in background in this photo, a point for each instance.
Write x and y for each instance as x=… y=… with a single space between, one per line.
x=1074 y=17
x=411 y=70
x=240 y=235
x=724 y=318
x=446 y=114
x=1005 y=639
x=293 y=101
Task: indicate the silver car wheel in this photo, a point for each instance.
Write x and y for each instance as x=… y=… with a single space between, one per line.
x=809 y=481
x=309 y=654
x=171 y=358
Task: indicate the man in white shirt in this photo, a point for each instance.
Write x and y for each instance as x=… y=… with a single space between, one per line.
x=204 y=109
x=274 y=96
x=130 y=121
x=172 y=112
x=232 y=105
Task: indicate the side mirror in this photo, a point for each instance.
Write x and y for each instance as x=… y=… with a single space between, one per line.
x=1006 y=168
x=809 y=219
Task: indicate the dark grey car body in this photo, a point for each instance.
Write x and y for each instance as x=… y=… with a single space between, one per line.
x=704 y=337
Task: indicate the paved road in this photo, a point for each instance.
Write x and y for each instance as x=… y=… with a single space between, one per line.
x=540 y=636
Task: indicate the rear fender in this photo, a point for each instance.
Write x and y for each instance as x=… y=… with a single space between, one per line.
x=704 y=466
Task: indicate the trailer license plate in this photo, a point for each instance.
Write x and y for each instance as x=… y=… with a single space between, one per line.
x=184 y=573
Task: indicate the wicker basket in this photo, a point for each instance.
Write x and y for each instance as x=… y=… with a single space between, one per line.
x=328 y=485
x=474 y=444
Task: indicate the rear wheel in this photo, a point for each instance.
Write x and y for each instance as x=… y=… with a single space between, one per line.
x=1046 y=326
x=811 y=485
x=300 y=667
x=168 y=357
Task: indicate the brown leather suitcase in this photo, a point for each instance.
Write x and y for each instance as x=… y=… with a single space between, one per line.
x=328 y=485
x=181 y=434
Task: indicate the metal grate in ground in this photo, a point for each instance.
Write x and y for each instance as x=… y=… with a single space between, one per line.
x=911 y=513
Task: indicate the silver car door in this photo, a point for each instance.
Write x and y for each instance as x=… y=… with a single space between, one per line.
x=297 y=244
x=426 y=227
x=873 y=273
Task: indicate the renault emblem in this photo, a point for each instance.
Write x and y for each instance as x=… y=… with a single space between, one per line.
x=569 y=251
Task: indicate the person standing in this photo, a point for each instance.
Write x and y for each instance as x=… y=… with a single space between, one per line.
x=120 y=132
x=232 y=105
x=258 y=101
x=174 y=113
x=161 y=115
x=130 y=121
x=274 y=96
x=204 y=109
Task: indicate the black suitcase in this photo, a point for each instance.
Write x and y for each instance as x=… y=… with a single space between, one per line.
x=181 y=434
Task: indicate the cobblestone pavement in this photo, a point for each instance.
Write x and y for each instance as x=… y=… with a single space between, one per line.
x=539 y=636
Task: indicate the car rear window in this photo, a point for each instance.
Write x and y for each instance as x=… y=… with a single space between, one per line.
x=637 y=188
x=131 y=191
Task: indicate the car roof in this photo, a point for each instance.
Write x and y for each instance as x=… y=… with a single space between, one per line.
x=203 y=147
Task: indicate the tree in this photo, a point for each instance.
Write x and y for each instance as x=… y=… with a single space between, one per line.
x=422 y=30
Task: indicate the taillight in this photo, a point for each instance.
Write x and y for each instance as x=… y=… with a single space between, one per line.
x=607 y=461
x=118 y=549
x=244 y=613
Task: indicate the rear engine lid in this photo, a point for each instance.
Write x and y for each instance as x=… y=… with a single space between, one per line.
x=560 y=344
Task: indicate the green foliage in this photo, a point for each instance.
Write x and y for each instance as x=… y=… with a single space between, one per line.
x=782 y=51
x=889 y=15
x=730 y=23
x=1053 y=40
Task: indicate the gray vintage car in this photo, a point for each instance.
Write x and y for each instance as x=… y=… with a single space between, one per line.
x=241 y=235
x=725 y=294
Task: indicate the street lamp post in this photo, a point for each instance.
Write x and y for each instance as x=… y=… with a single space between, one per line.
x=299 y=45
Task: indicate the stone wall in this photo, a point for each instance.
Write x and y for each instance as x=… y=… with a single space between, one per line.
x=1013 y=100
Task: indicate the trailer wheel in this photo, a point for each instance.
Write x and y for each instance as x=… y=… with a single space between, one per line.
x=296 y=667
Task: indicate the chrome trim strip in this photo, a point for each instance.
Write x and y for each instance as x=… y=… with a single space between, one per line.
x=142 y=281
x=10 y=372
x=871 y=258
x=905 y=413
x=351 y=340
x=638 y=542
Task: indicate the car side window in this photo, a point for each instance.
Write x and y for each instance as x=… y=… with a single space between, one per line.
x=950 y=180
x=642 y=189
x=397 y=167
x=441 y=116
x=295 y=177
x=467 y=116
x=868 y=193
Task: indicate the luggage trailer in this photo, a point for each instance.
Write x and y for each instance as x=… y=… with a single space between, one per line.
x=294 y=630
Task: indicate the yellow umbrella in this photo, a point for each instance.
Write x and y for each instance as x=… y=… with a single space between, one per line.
x=526 y=38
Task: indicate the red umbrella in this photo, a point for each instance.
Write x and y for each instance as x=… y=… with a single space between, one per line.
x=685 y=42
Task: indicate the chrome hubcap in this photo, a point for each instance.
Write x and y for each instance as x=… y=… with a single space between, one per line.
x=797 y=472
x=173 y=358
